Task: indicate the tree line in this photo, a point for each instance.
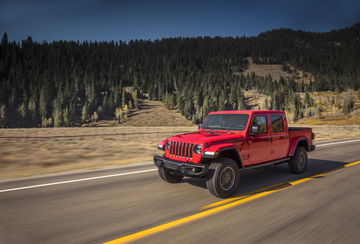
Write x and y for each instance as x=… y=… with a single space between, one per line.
x=68 y=83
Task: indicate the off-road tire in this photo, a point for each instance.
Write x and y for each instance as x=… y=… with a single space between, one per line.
x=169 y=176
x=298 y=162
x=223 y=177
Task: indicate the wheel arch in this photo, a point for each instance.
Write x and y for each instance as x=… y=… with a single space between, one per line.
x=232 y=153
x=299 y=142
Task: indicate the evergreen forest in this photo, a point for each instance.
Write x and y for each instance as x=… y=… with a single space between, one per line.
x=70 y=83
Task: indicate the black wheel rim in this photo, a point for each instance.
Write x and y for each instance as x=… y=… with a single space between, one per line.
x=227 y=178
x=302 y=160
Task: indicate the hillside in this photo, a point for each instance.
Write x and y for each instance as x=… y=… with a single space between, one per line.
x=276 y=71
x=67 y=83
x=150 y=113
x=325 y=108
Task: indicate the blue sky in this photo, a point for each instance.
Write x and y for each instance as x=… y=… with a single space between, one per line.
x=155 y=19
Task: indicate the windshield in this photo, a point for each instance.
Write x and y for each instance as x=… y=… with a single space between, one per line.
x=226 y=122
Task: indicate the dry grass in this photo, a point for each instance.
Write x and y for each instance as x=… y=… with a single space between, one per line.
x=26 y=152
x=35 y=151
x=150 y=113
x=256 y=100
x=276 y=71
x=331 y=103
x=153 y=113
x=332 y=132
x=331 y=115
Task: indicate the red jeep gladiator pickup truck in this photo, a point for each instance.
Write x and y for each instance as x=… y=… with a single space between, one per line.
x=231 y=141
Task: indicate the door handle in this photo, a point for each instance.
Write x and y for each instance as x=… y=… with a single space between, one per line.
x=282 y=137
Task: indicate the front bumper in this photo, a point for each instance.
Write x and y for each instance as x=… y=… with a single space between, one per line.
x=186 y=169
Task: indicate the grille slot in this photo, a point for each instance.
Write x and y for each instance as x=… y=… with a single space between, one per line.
x=181 y=149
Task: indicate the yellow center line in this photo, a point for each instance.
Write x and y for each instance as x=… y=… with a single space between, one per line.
x=242 y=195
x=205 y=213
x=351 y=164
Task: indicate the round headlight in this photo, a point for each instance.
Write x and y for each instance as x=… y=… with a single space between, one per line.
x=197 y=149
x=168 y=144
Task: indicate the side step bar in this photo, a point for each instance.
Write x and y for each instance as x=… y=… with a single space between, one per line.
x=255 y=166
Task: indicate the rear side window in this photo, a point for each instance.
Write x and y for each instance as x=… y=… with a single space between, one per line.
x=276 y=123
x=262 y=122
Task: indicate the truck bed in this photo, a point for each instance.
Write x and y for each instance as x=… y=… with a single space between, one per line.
x=299 y=128
x=295 y=132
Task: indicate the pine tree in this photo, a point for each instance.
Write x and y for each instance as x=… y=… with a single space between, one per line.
x=58 y=111
x=266 y=104
x=205 y=107
x=298 y=108
x=44 y=122
x=124 y=98
x=58 y=117
x=349 y=104
x=33 y=113
x=44 y=103
x=308 y=100
x=136 y=101
x=23 y=115
x=85 y=113
x=66 y=115
x=3 y=117
x=241 y=101
x=4 y=40
x=95 y=116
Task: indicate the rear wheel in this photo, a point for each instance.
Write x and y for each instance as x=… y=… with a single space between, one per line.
x=223 y=178
x=298 y=162
x=169 y=176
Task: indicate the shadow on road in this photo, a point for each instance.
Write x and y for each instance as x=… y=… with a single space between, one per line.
x=274 y=177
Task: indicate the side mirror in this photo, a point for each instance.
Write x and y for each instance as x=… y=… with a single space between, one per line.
x=254 y=129
x=199 y=126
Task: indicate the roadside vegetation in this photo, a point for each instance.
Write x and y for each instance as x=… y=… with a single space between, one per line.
x=34 y=151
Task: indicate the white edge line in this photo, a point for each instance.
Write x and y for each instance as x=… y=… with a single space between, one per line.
x=127 y=173
x=77 y=180
x=339 y=142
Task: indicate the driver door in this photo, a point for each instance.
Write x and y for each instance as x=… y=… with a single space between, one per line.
x=260 y=143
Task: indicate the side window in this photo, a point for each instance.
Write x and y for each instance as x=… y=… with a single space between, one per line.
x=262 y=122
x=276 y=123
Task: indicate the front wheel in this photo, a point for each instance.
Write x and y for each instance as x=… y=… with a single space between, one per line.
x=298 y=162
x=223 y=178
x=169 y=176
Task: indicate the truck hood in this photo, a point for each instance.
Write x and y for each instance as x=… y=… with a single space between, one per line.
x=202 y=137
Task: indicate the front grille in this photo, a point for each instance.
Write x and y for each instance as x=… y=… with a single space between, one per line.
x=181 y=149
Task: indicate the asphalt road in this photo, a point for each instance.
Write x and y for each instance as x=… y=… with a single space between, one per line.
x=322 y=209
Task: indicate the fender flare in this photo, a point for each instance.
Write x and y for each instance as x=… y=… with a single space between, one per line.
x=295 y=142
x=220 y=150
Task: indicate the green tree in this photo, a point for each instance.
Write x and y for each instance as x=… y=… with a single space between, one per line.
x=85 y=114
x=66 y=116
x=33 y=113
x=23 y=115
x=136 y=100
x=58 y=111
x=349 y=104
x=298 y=108
x=241 y=101
x=3 y=116
x=44 y=102
x=308 y=100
